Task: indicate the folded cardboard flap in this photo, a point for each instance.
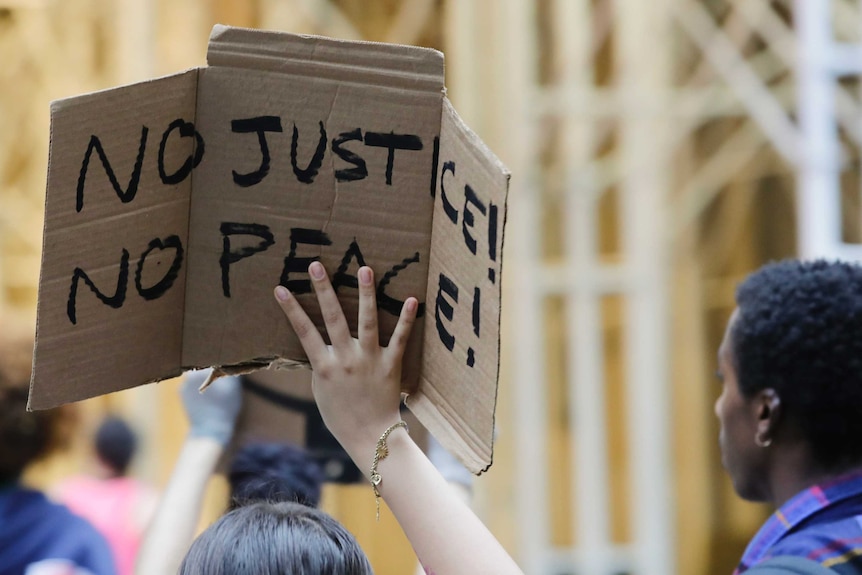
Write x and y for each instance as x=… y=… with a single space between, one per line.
x=457 y=394
x=174 y=206
x=108 y=318
x=393 y=65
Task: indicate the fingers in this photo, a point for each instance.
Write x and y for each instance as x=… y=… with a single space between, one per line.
x=330 y=307
x=336 y=324
x=304 y=328
x=398 y=342
x=368 y=332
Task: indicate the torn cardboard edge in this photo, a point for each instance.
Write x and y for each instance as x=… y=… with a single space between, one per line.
x=284 y=149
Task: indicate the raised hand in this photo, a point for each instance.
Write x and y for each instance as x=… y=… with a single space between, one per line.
x=356 y=382
x=213 y=412
x=357 y=386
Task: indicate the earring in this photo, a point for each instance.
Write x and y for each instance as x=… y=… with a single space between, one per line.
x=762 y=442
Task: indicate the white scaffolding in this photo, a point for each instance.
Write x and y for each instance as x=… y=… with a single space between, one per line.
x=650 y=110
x=822 y=61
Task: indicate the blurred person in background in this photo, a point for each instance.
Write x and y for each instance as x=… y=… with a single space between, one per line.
x=37 y=537
x=271 y=471
x=212 y=416
x=259 y=472
x=118 y=505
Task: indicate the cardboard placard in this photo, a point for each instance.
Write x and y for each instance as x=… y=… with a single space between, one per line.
x=174 y=206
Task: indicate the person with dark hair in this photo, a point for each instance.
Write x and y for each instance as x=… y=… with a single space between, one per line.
x=281 y=537
x=212 y=416
x=115 y=445
x=791 y=410
x=274 y=472
x=36 y=535
x=266 y=472
x=117 y=504
x=791 y=430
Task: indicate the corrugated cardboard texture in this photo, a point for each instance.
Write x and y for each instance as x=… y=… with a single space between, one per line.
x=369 y=63
x=101 y=234
x=283 y=150
x=301 y=202
x=458 y=390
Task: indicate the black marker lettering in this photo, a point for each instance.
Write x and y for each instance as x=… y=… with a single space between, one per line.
x=341 y=277
x=393 y=142
x=492 y=240
x=449 y=288
x=307 y=175
x=187 y=130
x=293 y=264
x=468 y=221
x=260 y=125
x=388 y=303
x=349 y=174
x=435 y=162
x=447 y=205
x=229 y=257
x=125 y=196
x=159 y=289
x=115 y=301
x=477 y=309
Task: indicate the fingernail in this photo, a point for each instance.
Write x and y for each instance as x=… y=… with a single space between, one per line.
x=281 y=293
x=316 y=270
x=411 y=304
x=365 y=275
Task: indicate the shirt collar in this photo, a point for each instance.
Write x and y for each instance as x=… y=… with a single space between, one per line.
x=796 y=510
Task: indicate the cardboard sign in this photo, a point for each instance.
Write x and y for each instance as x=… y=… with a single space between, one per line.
x=174 y=206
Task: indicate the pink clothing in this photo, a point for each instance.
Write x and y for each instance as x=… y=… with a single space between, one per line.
x=118 y=508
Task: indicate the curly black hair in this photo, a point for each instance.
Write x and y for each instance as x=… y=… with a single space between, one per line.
x=267 y=471
x=799 y=332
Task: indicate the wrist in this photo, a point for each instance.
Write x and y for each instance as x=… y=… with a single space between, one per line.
x=218 y=436
x=381 y=452
x=360 y=440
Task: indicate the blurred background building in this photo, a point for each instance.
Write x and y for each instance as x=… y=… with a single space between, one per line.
x=660 y=150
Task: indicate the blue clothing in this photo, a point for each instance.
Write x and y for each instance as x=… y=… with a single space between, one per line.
x=822 y=523
x=35 y=532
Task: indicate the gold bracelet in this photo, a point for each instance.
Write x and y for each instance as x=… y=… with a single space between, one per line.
x=379 y=454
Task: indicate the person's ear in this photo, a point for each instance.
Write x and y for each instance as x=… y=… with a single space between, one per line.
x=768 y=406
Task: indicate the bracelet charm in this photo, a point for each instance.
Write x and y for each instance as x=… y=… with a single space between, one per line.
x=380 y=453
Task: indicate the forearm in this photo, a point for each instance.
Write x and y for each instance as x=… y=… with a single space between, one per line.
x=173 y=526
x=446 y=535
x=357 y=388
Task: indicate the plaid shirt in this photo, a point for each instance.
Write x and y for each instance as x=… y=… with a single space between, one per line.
x=822 y=523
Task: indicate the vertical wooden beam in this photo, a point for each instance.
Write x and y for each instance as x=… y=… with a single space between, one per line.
x=409 y=21
x=243 y=13
x=180 y=36
x=643 y=67
x=572 y=34
x=523 y=255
